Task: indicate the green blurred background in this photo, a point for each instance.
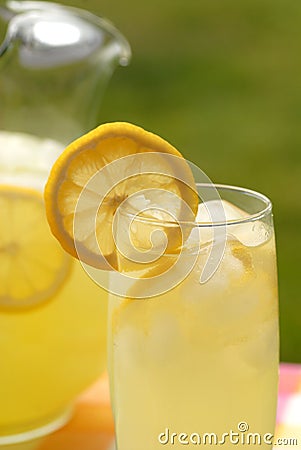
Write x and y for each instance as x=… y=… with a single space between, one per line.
x=222 y=82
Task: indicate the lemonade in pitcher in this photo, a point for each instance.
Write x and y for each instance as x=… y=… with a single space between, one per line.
x=52 y=317
x=55 y=63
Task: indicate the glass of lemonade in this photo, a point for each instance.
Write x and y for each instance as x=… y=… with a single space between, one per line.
x=199 y=357
x=54 y=66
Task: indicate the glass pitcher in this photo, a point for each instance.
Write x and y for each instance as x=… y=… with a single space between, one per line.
x=55 y=62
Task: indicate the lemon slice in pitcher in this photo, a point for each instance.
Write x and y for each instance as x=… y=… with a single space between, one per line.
x=32 y=264
x=129 y=161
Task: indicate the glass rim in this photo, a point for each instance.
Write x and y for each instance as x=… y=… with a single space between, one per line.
x=262 y=213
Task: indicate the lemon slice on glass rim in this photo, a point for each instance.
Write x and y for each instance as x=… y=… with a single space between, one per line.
x=103 y=169
x=33 y=267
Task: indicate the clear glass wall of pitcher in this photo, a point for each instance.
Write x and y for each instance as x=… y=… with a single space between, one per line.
x=54 y=66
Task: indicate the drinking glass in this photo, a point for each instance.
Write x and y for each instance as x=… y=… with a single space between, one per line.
x=193 y=356
x=55 y=63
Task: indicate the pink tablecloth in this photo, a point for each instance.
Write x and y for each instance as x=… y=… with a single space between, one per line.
x=289 y=408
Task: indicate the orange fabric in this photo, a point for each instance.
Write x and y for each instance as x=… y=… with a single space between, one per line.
x=91 y=427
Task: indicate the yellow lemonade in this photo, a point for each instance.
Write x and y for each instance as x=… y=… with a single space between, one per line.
x=202 y=357
x=193 y=312
x=52 y=316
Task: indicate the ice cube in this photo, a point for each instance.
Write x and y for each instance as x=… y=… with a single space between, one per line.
x=249 y=233
x=219 y=211
x=27 y=152
x=212 y=212
x=252 y=234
